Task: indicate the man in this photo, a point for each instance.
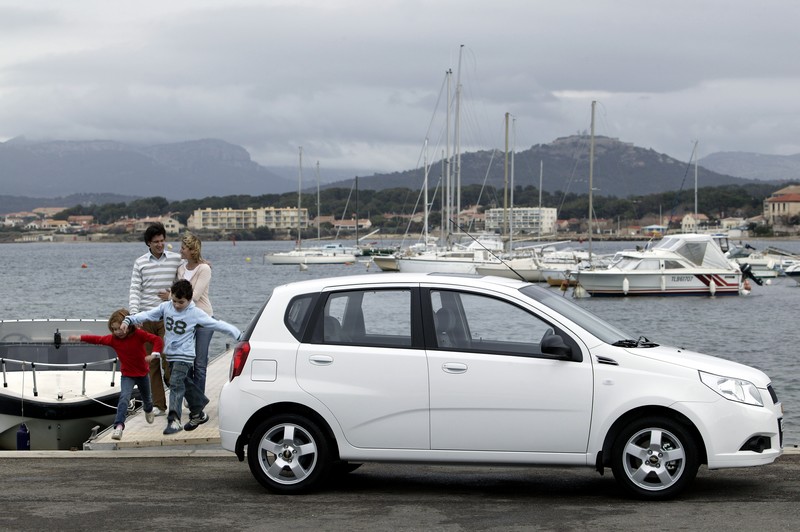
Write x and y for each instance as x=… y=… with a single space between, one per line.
x=153 y=274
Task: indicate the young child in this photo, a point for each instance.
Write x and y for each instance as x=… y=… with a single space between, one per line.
x=134 y=364
x=181 y=316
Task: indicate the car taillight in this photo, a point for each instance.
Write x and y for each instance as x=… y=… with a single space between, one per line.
x=240 y=353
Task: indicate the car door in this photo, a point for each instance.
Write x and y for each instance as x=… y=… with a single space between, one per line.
x=363 y=366
x=494 y=389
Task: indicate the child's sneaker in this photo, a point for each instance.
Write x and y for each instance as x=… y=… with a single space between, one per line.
x=117 y=434
x=173 y=427
x=158 y=412
x=149 y=416
x=196 y=421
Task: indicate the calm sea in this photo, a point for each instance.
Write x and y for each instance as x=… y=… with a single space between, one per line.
x=90 y=280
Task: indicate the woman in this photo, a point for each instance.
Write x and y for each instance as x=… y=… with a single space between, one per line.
x=198 y=272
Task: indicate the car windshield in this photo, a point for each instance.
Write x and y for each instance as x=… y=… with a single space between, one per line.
x=601 y=329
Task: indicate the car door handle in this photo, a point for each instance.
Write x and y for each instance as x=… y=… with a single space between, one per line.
x=454 y=367
x=321 y=360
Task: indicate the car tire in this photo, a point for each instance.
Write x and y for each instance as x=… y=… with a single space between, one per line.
x=289 y=454
x=654 y=458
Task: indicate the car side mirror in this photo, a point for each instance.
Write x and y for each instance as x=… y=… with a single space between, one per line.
x=553 y=344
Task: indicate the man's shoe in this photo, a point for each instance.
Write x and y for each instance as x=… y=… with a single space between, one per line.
x=195 y=422
x=149 y=416
x=117 y=434
x=173 y=427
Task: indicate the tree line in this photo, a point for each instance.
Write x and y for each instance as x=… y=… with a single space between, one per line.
x=382 y=207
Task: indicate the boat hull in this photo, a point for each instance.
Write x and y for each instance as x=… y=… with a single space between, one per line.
x=610 y=283
x=291 y=258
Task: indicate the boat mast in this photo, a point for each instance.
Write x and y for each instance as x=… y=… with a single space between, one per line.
x=425 y=194
x=299 y=200
x=356 y=210
x=541 y=171
x=444 y=226
x=505 y=182
x=694 y=152
x=319 y=236
x=591 y=175
x=511 y=218
x=458 y=139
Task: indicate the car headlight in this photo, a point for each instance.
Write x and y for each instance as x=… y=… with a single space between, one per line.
x=732 y=389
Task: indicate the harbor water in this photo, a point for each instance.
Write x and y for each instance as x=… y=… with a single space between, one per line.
x=90 y=280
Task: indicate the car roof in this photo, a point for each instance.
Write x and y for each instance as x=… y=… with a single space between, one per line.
x=398 y=278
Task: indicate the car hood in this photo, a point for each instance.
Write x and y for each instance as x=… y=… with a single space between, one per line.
x=707 y=363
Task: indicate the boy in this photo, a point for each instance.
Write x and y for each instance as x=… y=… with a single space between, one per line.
x=134 y=364
x=181 y=316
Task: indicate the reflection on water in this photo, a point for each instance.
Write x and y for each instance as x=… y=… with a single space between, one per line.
x=49 y=281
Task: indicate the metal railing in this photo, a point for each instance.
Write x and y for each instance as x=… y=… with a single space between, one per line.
x=84 y=365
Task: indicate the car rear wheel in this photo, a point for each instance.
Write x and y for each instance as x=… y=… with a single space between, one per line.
x=288 y=454
x=654 y=458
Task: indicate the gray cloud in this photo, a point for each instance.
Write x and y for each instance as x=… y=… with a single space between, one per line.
x=356 y=82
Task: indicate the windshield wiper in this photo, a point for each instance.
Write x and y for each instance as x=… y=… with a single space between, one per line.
x=641 y=342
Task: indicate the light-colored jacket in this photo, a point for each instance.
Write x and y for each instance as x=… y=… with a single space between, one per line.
x=179 y=328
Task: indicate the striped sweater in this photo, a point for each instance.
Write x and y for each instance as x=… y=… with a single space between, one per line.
x=150 y=275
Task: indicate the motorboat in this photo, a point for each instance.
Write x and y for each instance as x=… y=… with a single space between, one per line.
x=680 y=264
x=792 y=269
x=459 y=258
x=332 y=253
x=61 y=392
x=763 y=264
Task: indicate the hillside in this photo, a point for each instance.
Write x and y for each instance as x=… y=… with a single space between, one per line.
x=71 y=172
x=175 y=171
x=620 y=169
x=754 y=165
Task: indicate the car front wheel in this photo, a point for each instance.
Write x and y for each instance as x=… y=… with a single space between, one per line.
x=654 y=458
x=288 y=454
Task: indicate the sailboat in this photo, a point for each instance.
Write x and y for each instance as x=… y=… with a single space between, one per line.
x=332 y=253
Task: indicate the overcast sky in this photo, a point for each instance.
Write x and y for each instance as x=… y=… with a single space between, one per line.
x=356 y=82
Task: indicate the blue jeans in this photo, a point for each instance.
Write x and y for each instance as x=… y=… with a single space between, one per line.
x=126 y=385
x=180 y=386
x=202 y=339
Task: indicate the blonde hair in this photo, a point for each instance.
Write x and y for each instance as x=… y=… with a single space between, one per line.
x=194 y=246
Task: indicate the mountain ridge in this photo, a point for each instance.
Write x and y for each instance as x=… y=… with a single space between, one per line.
x=107 y=170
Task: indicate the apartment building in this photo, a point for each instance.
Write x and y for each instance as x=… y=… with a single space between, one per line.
x=281 y=219
x=532 y=220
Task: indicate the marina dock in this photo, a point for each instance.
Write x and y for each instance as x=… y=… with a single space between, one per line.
x=139 y=434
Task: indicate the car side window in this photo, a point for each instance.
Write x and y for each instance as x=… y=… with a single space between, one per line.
x=296 y=314
x=368 y=317
x=473 y=322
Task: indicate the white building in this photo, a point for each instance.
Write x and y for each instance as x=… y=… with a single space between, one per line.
x=534 y=220
x=281 y=219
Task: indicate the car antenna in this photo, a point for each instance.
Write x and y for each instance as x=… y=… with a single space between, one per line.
x=504 y=263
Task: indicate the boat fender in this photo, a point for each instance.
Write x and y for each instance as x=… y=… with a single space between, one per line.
x=712 y=287
x=626 y=285
x=23 y=438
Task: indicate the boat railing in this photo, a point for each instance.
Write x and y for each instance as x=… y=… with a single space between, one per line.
x=84 y=366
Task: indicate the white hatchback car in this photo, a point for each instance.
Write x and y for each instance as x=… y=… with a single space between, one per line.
x=433 y=368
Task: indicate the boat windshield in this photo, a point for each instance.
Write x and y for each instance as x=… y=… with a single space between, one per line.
x=601 y=329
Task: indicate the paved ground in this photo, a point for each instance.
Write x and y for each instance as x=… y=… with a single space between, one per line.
x=204 y=488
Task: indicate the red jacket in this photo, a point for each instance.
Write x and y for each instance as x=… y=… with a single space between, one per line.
x=130 y=350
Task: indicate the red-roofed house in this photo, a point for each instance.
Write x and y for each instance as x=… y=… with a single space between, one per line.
x=780 y=208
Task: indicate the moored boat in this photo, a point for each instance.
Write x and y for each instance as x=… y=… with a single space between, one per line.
x=60 y=391
x=681 y=264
